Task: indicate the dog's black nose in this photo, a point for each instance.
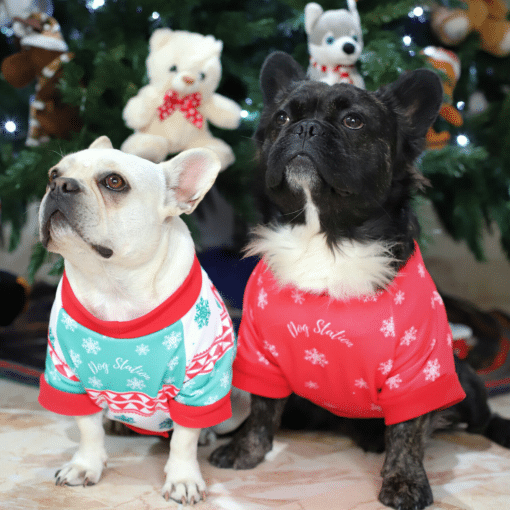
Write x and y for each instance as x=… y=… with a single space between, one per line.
x=349 y=48
x=65 y=185
x=308 y=129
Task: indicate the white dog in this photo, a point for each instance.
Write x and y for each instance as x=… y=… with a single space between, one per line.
x=137 y=330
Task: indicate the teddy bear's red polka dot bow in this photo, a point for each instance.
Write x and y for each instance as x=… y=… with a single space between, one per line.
x=186 y=104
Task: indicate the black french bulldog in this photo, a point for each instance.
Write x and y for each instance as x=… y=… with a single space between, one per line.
x=338 y=162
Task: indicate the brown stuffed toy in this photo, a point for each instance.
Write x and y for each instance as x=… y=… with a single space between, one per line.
x=449 y=64
x=43 y=51
x=486 y=17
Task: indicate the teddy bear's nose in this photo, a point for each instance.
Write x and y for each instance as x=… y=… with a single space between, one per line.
x=349 y=48
x=188 y=80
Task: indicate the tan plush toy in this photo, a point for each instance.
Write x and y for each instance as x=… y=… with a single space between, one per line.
x=41 y=57
x=172 y=112
x=486 y=17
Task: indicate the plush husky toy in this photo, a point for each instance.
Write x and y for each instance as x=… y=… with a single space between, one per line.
x=335 y=42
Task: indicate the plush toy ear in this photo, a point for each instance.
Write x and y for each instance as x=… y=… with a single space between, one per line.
x=103 y=142
x=189 y=176
x=420 y=94
x=159 y=38
x=313 y=12
x=351 y=4
x=278 y=71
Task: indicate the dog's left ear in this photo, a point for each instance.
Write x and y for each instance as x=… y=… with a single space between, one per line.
x=103 y=142
x=189 y=176
x=420 y=94
x=278 y=71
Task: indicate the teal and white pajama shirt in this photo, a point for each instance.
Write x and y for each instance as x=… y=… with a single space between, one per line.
x=173 y=364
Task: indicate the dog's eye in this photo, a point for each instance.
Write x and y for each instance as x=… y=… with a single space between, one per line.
x=330 y=39
x=281 y=118
x=173 y=69
x=114 y=182
x=53 y=175
x=353 y=121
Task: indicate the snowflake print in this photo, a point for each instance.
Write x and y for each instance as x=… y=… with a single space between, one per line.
x=211 y=400
x=386 y=366
x=449 y=340
x=409 y=336
x=173 y=363
x=76 y=358
x=312 y=385
x=270 y=348
x=431 y=370
x=421 y=270
x=372 y=297
x=388 y=327
x=142 y=349
x=68 y=322
x=436 y=298
x=298 y=297
x=375 y=407
x=171 y=341
x=95 y=382
x=262 y=358
x=394 y=382
x=125 y=419
x=91 y=346
x=399 y=297
x=225 y=380
x=135 y=384
x=169 y=380
x=198 y=393
x=203 y=313
x=259 y=280
x=262 y=299
x=361 y=383
x=166 y=424
x=316 y=358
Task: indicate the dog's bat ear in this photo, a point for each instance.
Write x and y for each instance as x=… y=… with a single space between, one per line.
x=103 y=142
x=277 y=73
x=189 y=176
x=420 y=93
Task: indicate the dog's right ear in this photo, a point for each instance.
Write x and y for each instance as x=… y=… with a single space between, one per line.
x=278 y=72
x=189 y=176
x=103 y=142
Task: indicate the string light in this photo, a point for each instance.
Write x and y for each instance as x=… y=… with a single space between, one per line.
x=95 y=4
x=407 y=40
x=462 y=140
x=10 y=126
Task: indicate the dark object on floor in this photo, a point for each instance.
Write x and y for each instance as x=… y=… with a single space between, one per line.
x=14 y=291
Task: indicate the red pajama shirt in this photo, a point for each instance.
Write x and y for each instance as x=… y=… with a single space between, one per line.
x=383 y=356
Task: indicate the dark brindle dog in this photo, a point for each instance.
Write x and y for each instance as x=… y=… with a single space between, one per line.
x=341 y=309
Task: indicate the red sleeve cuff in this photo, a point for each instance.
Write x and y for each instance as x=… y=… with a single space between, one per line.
x=68 y=404
x=201 y=417
x=262 y=385
x=442 y=393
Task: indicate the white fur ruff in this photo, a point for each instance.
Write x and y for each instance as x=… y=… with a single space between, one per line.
x=299 y=255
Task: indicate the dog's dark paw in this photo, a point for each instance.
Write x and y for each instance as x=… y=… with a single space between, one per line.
x=237 y=455
x=403 y=493
x=498 y=431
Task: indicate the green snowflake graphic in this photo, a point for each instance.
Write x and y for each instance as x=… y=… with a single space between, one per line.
x=203 y=313
x=125 y=419
x=167 y=424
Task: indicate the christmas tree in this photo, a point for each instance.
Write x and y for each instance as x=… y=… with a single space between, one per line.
x=470 y=174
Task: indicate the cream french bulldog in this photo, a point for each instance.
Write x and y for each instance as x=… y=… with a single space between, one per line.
x=137 y=331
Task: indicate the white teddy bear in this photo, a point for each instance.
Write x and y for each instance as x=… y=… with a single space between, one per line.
x=335 y=42
x=170 y=114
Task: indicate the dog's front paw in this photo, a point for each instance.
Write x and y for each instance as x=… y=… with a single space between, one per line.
x=238 y=455
x=184 y=483
x=498 y=430
x=84 y=469
x=405 y=493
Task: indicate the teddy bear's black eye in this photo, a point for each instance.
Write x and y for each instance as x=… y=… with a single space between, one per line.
x=281 y=118
x=330 y=39
x=355 y=38
x=353 y=121
x=173 y=69
x=202 y=76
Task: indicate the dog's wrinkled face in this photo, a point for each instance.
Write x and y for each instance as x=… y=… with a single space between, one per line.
x=347 y=150
x=104 y=205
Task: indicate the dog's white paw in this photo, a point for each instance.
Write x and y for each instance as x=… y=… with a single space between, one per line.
x=184 y=483
x=84 y=469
